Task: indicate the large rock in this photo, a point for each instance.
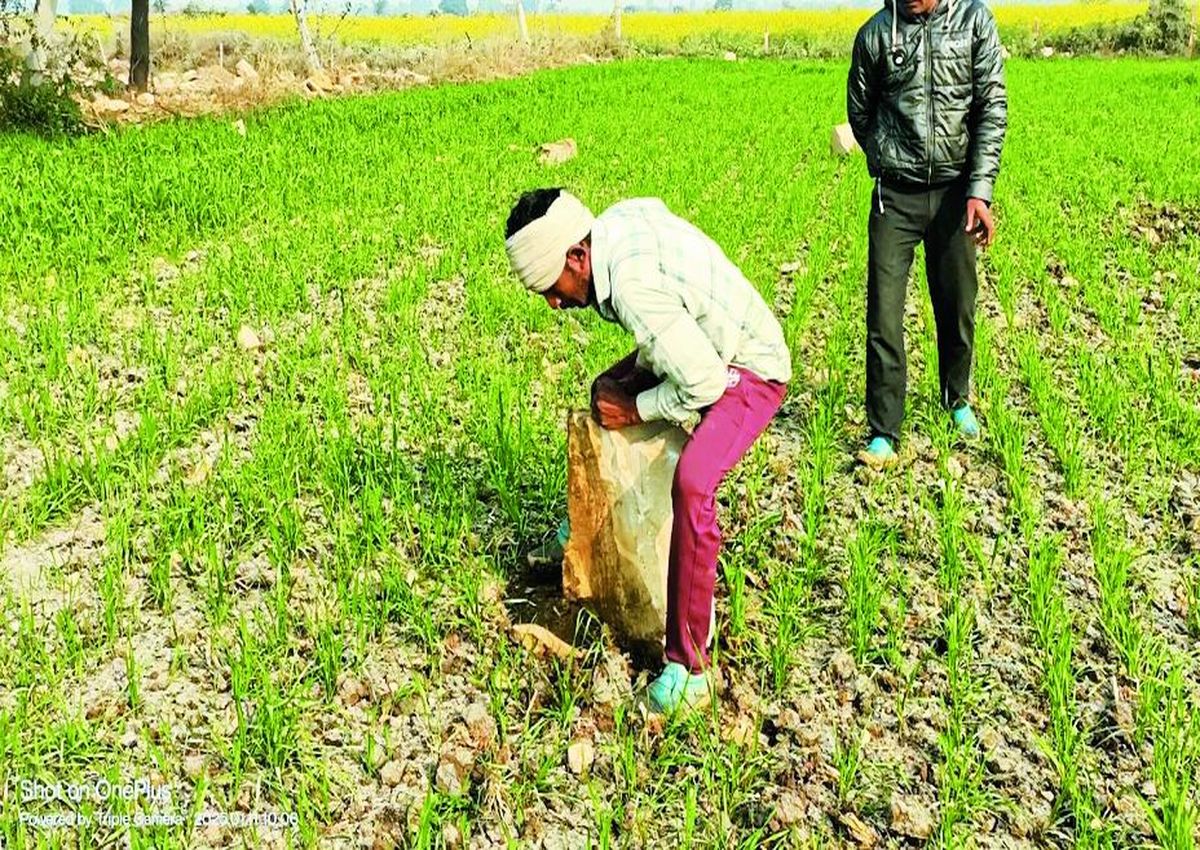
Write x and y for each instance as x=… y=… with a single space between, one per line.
x=842 y=143
x=619 y=502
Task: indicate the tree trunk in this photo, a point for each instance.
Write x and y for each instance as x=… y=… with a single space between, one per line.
x=1192 y=31
x=300 y=13
x=522 y=26
x=139 y=45
x=35 y=60
x=617 y=19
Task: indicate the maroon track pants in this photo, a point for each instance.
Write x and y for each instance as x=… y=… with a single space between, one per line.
x=726 y=431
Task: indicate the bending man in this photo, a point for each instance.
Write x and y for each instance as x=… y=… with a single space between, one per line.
x=710 y=358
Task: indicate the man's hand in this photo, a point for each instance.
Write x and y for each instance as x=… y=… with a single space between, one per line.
x=611 y=406
x=980 y=223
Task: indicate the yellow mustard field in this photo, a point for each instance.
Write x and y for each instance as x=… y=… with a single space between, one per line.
x=650 y=28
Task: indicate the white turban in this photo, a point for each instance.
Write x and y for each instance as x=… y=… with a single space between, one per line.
x=538 y=251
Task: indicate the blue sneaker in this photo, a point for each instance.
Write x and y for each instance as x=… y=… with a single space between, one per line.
x=879 y=453
x=965 y=421
x=676 y=688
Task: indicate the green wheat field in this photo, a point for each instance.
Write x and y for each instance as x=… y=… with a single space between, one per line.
x=277 y=426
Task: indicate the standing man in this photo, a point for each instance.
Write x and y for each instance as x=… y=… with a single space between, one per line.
x=710 y=357
x=927 y=104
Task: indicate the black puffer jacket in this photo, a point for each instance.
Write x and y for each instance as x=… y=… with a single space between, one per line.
x=926 y=96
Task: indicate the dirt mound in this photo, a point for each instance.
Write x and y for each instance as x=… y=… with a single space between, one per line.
x=268 y=73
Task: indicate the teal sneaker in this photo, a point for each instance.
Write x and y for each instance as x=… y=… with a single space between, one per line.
x=676 y=688
x=965 y=421
x=549 y=555
x=879 y=453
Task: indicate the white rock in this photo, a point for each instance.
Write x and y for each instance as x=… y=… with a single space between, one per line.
x=580 y=756
x=247 y=72
x=247 y=339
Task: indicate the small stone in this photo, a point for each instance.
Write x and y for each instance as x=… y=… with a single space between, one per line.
x=730 y=56
x=391 y=774
x=911 y=817
x=580 y=756
x=480 y=724
x=447 y=779
x=789 y=719
x=193 y=766
x=247 y=339
x=452 y=769
x=744 y=731
x=541 y=641
x=842 y=665
x=239 y=127
x=806 y=707
x=610 y=682
x=1047 y=52
x=552 y=153
x=860 y=831
x=350 y=691
x=790 y=809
